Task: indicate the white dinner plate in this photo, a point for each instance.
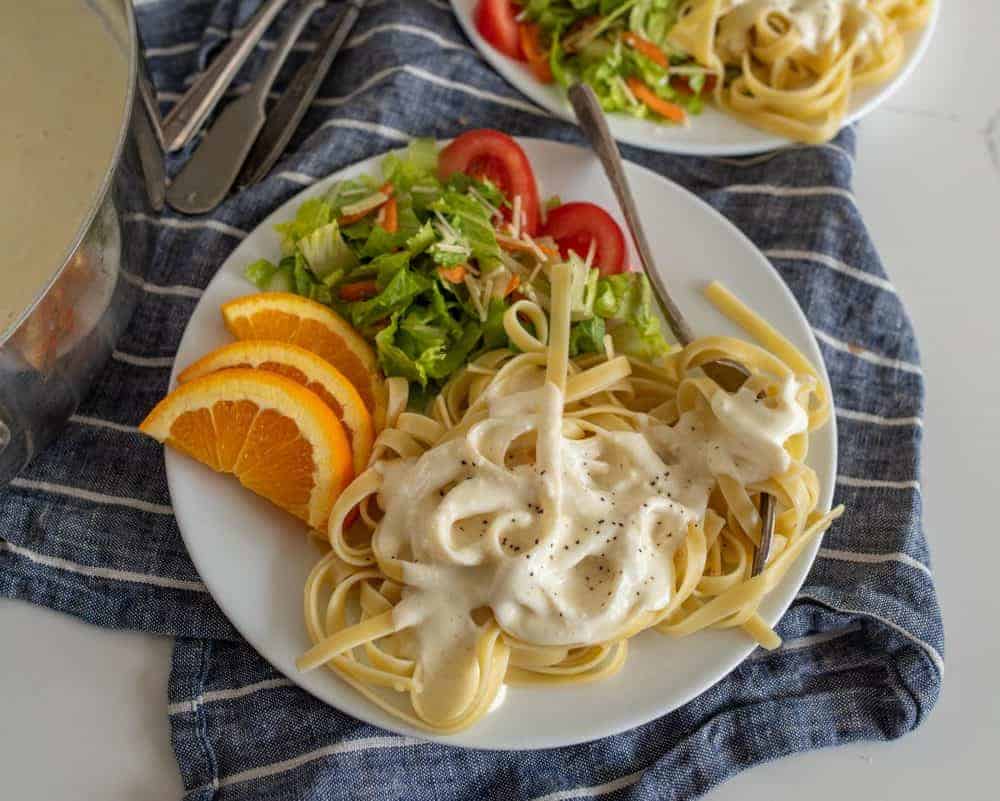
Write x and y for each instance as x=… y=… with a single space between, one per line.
x=711 y=133
x=254 y=559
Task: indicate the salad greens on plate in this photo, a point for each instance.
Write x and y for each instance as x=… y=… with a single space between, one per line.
x=425 y=259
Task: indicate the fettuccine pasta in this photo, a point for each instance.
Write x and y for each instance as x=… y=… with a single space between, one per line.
x=546 y=510
x=794 y=63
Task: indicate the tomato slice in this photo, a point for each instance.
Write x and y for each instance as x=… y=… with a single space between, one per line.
x=575 y=225
x=496 y=21
x=486 y=153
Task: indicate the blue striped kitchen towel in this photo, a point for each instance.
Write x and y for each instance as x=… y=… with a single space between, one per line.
x=87 y=528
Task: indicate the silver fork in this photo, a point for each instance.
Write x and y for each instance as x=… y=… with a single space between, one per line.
x=727 y=374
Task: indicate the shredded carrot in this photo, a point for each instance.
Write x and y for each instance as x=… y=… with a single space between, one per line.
x=512 y=285
x=390 y=216
x=388 y=189
x=359 y=290
x=664 y=108
x=531 y=45
x=682 y=84
x=647 y=48
x=520 y=246
x=454 y=275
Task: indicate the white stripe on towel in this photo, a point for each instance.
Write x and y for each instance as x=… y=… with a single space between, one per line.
x=94 y=497
x=158 y=362
x=415 y=30
x=877 y=483
x=429 y=77
x=102 y=572
x=347 y=747
x=362 y=125
x=931 y=651
x=229 y=694
x=96 y=422
x=300 y=178
x=594 y=791
x=875 y=558
x=834 y=264
x=867 y=355
x=789 y=191
x=877 y=419
x=178 y=290
x=187 y=225
x=809 y=641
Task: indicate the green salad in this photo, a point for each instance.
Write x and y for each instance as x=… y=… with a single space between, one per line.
x=621 y=48
x=426 y=269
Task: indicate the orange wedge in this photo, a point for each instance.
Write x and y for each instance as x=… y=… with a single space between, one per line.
x=311 y=325
x=305 y=368
x=277 y=437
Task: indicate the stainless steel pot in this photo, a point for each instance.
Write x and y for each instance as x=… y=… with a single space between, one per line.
x=51 y=354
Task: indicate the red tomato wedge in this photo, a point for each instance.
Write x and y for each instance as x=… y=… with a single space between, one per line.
x=497 y=24
x=575 y=225
x=486 y=153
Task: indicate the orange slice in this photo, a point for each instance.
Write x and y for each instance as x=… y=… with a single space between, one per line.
x=277 y=437
x=311 y=325
x=303 y=367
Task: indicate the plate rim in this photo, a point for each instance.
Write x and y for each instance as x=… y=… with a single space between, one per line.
x=518 y=77
x=799 y=571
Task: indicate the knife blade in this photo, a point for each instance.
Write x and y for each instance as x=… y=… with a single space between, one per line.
x=186 y=117
x=208 y=176
x=291 y=108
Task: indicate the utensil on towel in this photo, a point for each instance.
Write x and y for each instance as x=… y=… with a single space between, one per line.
x=208 y=176
x=726 y=373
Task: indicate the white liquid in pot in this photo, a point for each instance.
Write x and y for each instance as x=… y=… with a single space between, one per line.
x=63 y=83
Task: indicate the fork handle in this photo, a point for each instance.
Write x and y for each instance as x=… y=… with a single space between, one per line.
x=594 y=125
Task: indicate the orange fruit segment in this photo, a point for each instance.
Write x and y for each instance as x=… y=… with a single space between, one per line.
x=277 y=437
x=305 y=368
x=290 y=318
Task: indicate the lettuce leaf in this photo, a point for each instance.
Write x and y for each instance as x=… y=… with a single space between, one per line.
x=397 y=294
x=393 y=359
x=312 y=214
x=422 y=239
x=325 y=251
x=380 y=241
x=469 y=226
x=494 y=334
x=626 y=302
x=587 y=336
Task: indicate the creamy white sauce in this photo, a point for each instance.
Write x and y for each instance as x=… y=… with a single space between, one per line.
x=817 y=21
x=63 y=84
x=566 y=540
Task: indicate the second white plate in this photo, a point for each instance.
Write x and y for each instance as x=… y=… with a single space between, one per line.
x=711 y=133
x=254 y=559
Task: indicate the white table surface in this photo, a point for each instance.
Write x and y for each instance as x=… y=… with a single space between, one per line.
x=82 y=710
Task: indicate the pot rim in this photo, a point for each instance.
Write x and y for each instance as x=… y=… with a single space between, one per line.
x=106 y=181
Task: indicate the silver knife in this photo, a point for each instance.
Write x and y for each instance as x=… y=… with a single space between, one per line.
x=186 y=117
x=208 y=176
x=291 y=108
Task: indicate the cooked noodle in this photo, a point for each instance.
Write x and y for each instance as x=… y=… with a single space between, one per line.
x=418 y=618
x=788 y=80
